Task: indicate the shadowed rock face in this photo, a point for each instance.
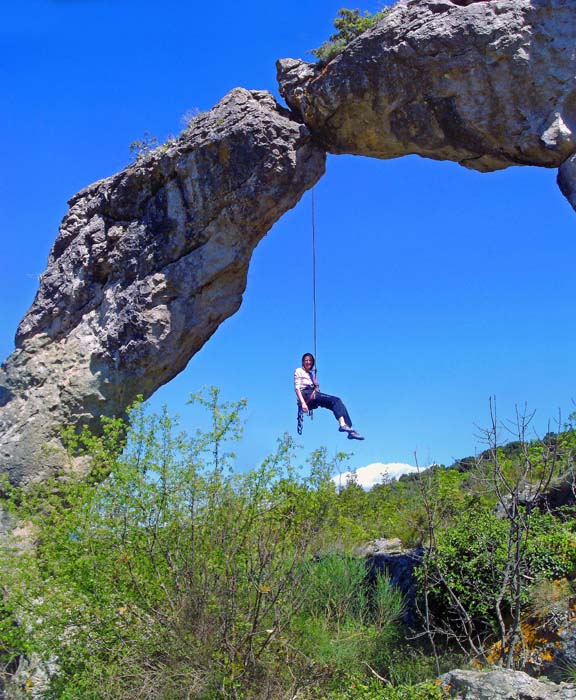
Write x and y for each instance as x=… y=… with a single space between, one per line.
x=485 y=83
x=567 y=180
x=146 y=266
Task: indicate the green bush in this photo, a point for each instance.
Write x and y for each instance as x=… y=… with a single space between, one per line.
x=551 y=547
x=350 y=24
x=165 y=570
x=162 y=574
x=396 y=509
x=471 y=559
x=337 y=590
x=346 y=621
x=372 y=689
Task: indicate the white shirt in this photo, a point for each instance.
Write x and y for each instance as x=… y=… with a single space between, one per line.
x=302 y=379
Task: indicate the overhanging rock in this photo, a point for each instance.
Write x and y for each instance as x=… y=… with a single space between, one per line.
x=485 y=83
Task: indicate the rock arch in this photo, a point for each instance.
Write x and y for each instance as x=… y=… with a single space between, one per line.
x=149 y=262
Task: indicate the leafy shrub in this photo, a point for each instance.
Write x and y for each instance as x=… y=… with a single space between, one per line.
x=372 y=689
x=165 y=575
x=350 y=24
x=141 y=149
x=166 y=571
x=551 y=547
x=162 y=574
x=395 y=508
x=345 y=621
x=471 y=561
x=337 y=590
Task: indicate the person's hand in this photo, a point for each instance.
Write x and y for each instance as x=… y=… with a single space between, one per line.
x=305 y=408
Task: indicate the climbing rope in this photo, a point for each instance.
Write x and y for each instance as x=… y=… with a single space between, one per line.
x=314 y=275
x=300 y=424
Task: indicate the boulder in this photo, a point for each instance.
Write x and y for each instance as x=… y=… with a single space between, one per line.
x=386 y=556
x=381 y=546
x=503 y=684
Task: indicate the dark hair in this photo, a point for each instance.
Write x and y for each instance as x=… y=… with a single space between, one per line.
x=311 y=356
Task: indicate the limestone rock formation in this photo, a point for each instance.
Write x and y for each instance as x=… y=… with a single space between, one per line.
x=503 y=685
x=485 y=83
x=147 y=264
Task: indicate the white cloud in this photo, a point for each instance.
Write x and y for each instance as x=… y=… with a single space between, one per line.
x=375 y=473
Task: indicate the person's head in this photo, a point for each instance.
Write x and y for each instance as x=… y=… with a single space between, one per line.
x=308 y=361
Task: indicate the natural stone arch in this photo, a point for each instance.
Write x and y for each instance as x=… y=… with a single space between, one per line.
x=149 y=262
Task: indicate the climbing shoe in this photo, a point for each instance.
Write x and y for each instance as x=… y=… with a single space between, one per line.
x=345 y=429
x=353 y=435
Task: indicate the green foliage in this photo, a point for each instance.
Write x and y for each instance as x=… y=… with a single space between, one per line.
x=471 y=561
x=405 y=662
x=345 y=620
x=551 y=547
x=350 y=24
x=167 y=566
x=514 y=453
x=337 y=591
x=372 y=689
x=395 y=508
x=141 y=149
x=164 y=570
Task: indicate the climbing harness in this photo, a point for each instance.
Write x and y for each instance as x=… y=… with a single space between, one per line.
x=310 y=411
x=300 y=422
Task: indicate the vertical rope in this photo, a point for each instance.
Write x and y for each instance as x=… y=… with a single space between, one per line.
x=314 y=274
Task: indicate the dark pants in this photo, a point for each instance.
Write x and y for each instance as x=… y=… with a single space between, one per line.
x=335 y=404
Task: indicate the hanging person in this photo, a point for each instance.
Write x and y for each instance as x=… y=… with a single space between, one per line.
x=310 y=397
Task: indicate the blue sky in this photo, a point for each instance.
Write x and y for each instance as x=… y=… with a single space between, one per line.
x=437 y=287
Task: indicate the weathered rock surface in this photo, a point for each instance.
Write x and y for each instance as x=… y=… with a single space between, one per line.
x=503 y=685
x=147 y=264
x=485 y=83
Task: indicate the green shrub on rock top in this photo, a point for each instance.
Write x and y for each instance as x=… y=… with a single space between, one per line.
x=350 y=24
